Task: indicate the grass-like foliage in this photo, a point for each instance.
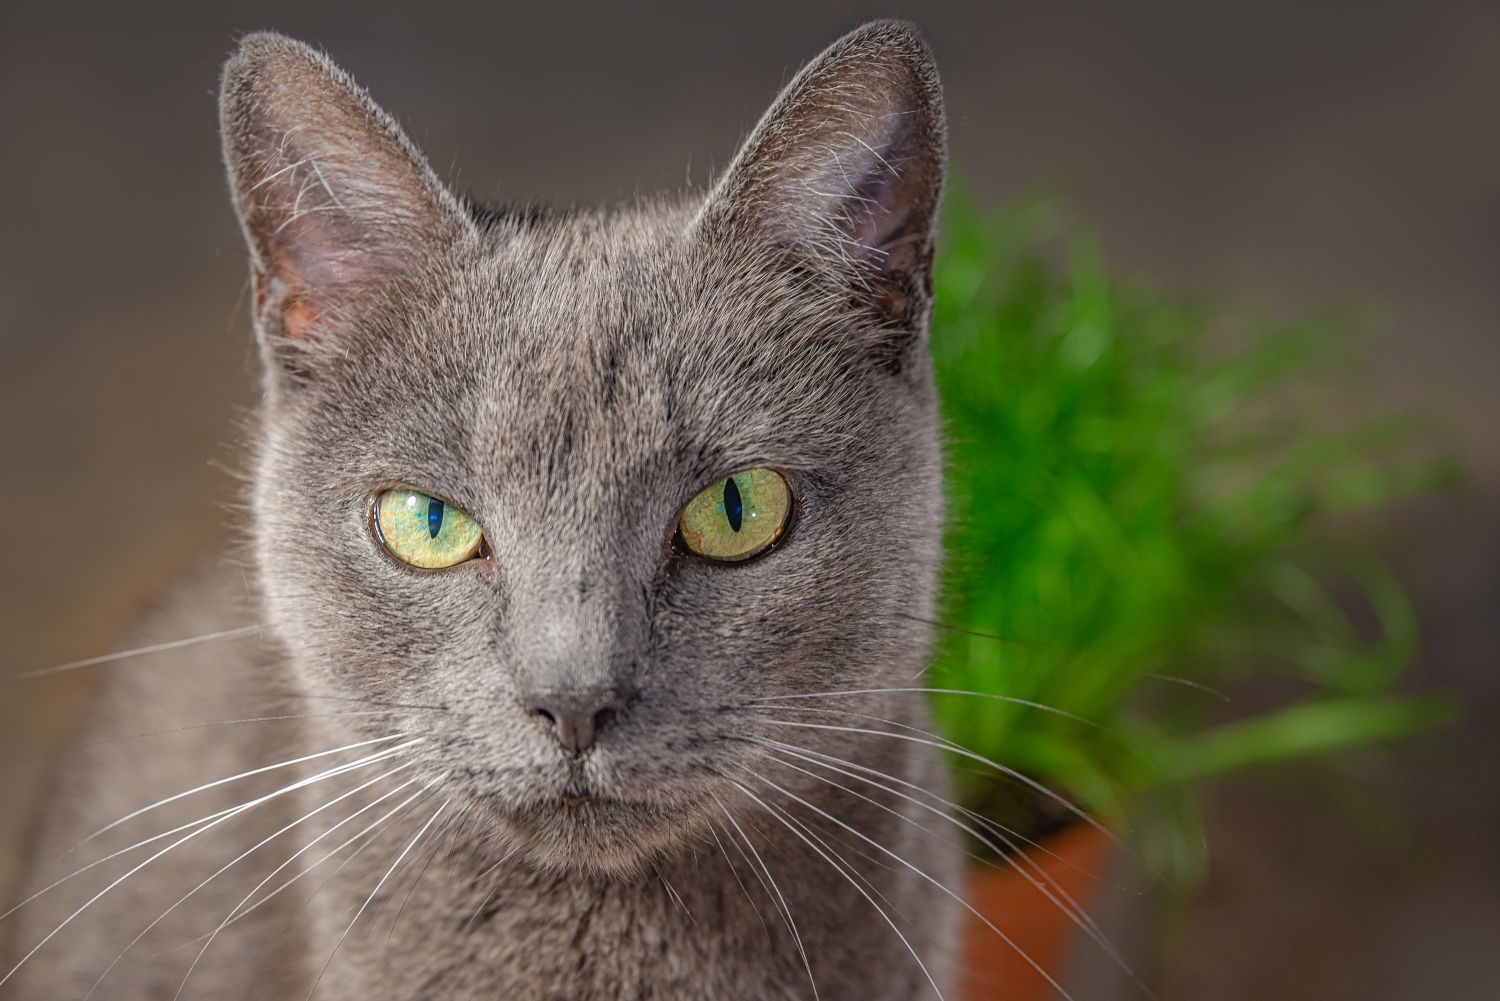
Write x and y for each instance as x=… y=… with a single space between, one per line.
x=1139 y=506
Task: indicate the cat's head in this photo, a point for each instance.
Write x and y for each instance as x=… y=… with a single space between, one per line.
x=542 y=397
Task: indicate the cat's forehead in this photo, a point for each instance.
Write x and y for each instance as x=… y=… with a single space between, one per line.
x=635 y=308
x=567 y=284
x=617 y=279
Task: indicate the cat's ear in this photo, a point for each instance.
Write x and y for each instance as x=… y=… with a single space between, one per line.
x=334 y=200
x=847 y=166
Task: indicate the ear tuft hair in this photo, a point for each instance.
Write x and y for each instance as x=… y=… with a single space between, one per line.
x=847 y=167
x=334 y=200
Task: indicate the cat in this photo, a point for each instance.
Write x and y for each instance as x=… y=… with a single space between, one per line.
x=590 y=559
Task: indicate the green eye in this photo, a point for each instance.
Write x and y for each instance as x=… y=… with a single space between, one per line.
x=425 y=531
x=738 y=517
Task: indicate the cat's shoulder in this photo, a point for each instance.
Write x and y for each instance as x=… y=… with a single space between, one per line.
x=198 y=697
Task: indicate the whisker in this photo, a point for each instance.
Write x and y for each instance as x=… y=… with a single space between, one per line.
x=1005 y=833
x=1067 y=904
x=196 y=726
x=138 y=652
x=1008 y=836
x=1189 y=683
x=943 y=744
x=735 y=872
x=485 y=901
x=1013 y=700
x=321 y=696
x=234 y=812
x=1129 y=746
x=368 y=829
x=235 y=914
x=410 y=844
x=493 y=866
x=230 y=864
x=218 y=815
x=925 y=875
x=437 y=844
x=957 y=748
x=949 y=627
x=676 y=897
x=114 y=855
x=858 y=795
x=232 y=778
x=777 y=813
x=785 y=908
x=826 y=838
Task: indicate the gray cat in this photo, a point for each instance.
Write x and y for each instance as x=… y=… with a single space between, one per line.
x=570 y=537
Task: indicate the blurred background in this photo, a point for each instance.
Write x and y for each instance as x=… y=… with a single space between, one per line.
x=1274 y=155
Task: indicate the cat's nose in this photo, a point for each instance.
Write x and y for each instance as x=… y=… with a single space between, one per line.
x=577 y=715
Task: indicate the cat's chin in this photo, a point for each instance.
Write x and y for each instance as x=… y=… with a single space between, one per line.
x=599 y=834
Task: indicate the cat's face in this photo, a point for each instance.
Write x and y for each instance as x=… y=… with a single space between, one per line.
x=571 y=383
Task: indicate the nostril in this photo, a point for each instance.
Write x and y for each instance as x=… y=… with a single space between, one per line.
x=576 y=716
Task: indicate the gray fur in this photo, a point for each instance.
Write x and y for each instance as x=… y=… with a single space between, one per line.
x=571 y=381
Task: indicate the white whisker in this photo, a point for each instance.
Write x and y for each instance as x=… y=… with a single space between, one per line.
x=993 y=696
x=676 y=897
x=232 y=778
x=778 y=814
x=735 y=872
x=931 y=879
x=234 y=812
x=241 y=914
x=409 y=845
x=230 y=864
x=943 y=744
x=1061 y=899
x=139 y=652
x=437 y=844
x=235 y=912
x=1011 y=838
x=87 y=745
x=215 y=816
x=786 y=910
x=485 y=901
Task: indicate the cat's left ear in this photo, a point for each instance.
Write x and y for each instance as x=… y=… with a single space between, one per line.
x=847 y=168
x=335 y=202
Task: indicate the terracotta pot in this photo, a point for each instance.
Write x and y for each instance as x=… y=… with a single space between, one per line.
x=992 y=970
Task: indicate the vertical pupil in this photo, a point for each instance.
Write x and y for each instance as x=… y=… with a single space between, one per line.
x=734 y=508
x=434 y=516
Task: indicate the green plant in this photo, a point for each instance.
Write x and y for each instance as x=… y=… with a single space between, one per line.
x=1137 y=508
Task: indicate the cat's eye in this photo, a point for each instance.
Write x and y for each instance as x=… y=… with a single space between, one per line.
x=738 y=517
x=424 y=531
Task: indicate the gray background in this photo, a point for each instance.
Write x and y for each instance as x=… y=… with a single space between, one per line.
x=1271 y=154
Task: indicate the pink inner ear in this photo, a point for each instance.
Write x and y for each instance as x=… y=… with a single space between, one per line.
x=317 y=264
x=335 y=210
x=297 y=316
x=283 y=304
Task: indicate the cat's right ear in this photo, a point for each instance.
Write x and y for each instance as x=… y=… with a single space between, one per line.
x=335 y=202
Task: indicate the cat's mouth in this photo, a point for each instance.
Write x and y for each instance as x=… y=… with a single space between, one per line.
x=581 y=824
x=596 y=812
x=584 y=800
x=589 y=830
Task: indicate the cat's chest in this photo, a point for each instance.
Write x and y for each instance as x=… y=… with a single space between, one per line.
x=546 y=937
